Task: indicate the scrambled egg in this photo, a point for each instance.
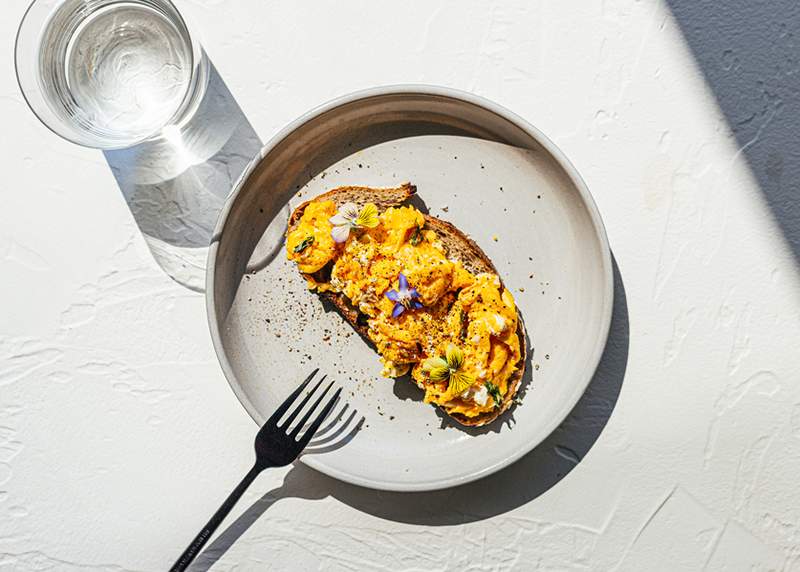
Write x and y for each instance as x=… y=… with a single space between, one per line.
x=472 y=312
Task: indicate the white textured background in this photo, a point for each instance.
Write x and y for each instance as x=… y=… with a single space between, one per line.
x=119 y=435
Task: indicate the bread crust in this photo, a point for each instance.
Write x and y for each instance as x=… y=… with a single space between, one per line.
x=458 y=246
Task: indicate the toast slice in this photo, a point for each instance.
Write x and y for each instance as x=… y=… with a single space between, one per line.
x=457 y=245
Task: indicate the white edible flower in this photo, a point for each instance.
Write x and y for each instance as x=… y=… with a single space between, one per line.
x=349 y=217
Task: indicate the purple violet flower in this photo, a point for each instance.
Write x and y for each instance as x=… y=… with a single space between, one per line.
x=404 y=298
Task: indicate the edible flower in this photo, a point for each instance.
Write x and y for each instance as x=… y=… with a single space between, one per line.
x=348 y=217
x=404 y=298
x=449 y=368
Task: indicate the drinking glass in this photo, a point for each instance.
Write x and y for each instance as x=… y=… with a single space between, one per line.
x=109 y=74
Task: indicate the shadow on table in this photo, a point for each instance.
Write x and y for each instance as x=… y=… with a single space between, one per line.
x=176 y=185
x=748 y=53
x=531 y=476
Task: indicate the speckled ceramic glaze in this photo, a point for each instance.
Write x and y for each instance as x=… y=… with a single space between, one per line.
x=475 y=164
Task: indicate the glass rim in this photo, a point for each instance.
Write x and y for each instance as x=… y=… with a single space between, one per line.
x=197 y=62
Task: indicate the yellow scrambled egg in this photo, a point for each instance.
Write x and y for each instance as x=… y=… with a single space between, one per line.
x=472 y=312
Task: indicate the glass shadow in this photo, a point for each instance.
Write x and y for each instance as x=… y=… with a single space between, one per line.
x=177 y=184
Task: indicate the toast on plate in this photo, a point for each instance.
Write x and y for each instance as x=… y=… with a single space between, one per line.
x=422 y=292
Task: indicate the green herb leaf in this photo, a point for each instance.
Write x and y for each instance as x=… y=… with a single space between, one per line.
x=304 y=244
x=416 y=236
x=494 y=391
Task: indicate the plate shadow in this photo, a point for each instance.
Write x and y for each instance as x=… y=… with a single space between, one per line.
x=516 y=485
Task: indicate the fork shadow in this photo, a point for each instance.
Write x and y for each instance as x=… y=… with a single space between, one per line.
x=175 y=185
x=335 y=434
x=514 y=486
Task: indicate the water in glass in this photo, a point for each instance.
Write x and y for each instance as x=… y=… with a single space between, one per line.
x=120 y=69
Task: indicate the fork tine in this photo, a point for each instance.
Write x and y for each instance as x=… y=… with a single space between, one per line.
x=310 y=412
x=320 y=418
x=289 y=400
x=299 y=408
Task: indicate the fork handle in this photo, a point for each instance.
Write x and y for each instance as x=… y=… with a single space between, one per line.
x=200 y=540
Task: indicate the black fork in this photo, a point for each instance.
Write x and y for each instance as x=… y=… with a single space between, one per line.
x=275 y=447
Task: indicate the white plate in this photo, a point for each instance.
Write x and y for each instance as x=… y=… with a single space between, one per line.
x=474 y=164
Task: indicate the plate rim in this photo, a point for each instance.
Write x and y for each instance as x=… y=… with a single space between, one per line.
x=516 y=120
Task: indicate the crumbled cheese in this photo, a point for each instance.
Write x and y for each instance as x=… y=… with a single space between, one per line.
x=500 y=322
x=481 y=396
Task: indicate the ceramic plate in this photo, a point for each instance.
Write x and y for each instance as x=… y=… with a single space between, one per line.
x=475 y=164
